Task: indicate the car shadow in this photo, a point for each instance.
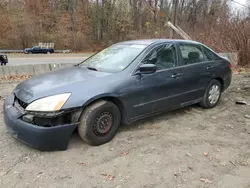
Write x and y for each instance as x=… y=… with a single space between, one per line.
x=140 y=125
x=163 y=116
x=77 y=142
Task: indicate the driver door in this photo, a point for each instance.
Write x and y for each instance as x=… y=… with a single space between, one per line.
x=36 y=49
x=162 y=89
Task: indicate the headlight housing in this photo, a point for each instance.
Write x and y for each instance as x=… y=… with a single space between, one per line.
x=49 y=104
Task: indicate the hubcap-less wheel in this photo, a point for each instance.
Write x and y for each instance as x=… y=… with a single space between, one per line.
x=103 y=124
x=214 y=94
x=99 y=122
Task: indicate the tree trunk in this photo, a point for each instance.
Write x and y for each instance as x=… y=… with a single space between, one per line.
x=73 y=21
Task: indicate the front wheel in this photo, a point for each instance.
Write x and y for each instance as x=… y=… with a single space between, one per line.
x=99 y=122
x=212 y=94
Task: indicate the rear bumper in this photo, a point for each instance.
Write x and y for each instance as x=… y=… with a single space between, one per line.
x=41 y=138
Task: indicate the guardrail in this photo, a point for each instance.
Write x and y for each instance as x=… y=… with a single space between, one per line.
x=30 y=69
x=21 y=51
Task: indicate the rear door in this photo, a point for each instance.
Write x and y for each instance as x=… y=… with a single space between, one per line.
x=197 y=70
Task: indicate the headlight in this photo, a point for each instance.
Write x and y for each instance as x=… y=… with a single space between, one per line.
x=5 y=57
x=49 y=104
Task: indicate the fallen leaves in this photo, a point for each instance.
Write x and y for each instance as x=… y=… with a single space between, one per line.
x=240 y=70
x=15 y=77
x=124 y=153
x=189 y=154
x=205 y=154
x=3 y=173
x=108 y=176
x=82 y=164
x=247 y=116
x=205 y=180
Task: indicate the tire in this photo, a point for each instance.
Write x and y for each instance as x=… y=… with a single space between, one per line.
x=48 y=52
x=100 y=113
x=29 y=52
x=2 y=63
x=208 y=101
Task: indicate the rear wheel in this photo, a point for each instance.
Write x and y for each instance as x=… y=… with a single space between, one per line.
x=99 y=122
x=212 y=94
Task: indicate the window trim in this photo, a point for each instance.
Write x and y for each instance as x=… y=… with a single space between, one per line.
x=157 y=45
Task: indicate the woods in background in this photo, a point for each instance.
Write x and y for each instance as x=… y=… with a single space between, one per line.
x=83 y=25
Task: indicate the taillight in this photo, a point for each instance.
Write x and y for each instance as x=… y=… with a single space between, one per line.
x=230 y=66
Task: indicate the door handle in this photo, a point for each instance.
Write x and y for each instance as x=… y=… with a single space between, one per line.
x=210 y=67
x=176 y=75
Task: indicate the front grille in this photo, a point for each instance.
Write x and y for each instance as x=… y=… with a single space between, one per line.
x=21 y=103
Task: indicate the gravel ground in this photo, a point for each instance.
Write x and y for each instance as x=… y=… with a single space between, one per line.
x=188 y=148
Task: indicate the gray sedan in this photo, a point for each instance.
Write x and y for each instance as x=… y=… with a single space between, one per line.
x=123 y=83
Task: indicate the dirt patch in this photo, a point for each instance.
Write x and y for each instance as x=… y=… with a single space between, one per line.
x=190 y=147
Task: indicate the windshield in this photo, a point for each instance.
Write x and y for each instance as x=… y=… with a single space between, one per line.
x=114 y=58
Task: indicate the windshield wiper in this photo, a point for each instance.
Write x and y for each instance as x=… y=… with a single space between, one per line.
x=92 y=68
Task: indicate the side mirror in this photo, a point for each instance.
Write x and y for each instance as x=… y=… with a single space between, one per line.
x=147 y=69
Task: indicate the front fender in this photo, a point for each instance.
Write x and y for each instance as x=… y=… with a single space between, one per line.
x=83 y=100
x=98 y=97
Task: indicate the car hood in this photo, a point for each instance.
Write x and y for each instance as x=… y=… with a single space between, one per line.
x=64 y=80
x=27 y=49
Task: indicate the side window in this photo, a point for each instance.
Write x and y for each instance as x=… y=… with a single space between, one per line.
x=192 y=54
x=163 y=57
x=211 y=55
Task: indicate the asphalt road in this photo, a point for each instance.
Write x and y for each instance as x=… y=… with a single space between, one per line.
x=21 y=59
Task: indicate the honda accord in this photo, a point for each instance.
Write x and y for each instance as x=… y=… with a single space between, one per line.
x=123 y=83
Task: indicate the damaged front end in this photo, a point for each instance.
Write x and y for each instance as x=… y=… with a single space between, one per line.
x=42 y=130
x=48 y=119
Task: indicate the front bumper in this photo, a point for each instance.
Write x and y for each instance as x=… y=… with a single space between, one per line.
x=41 y=138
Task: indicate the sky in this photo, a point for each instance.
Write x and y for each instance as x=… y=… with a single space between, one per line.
x=237 y=7
x=241 y=2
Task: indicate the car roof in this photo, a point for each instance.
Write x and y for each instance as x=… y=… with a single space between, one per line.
x=153 y=41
